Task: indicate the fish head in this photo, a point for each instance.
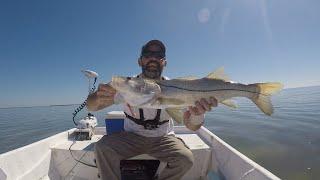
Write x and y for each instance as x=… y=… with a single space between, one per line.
x=136 y=91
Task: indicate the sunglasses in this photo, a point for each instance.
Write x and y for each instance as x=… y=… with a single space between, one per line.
x=155 y=54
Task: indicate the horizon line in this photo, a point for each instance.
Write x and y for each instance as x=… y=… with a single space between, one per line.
x=71 y=104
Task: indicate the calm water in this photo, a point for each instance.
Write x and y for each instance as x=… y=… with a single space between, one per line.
x=287 y=144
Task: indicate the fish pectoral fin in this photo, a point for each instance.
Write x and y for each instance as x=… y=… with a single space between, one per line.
x=229 y=103
x=176 y=114
x=151 y=100
x=171 y=101
x=218 y=74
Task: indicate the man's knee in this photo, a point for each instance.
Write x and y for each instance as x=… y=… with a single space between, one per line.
x=98 y=146
x=103 y=146
x=185 y=159
x=188 y=159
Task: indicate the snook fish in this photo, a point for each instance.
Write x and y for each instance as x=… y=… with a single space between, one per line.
x=177 y=94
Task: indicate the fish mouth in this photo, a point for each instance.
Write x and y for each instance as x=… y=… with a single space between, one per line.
x=117 y=81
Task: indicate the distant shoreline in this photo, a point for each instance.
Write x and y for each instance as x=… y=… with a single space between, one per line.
x=54 y=105
x=63 y=104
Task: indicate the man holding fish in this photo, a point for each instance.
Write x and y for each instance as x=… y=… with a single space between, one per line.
x=147 y=130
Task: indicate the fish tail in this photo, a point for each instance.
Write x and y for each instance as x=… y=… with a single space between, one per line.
x=263 y=98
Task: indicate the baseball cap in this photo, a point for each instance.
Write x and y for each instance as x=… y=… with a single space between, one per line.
x=153 y=42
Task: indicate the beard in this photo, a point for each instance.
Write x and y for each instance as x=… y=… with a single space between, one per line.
x=152 y=70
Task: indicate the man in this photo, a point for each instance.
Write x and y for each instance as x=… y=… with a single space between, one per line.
x=158 y=141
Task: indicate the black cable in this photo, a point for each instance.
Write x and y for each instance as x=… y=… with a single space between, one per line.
x=94 y=87
x=79 y=161
x=76 y=111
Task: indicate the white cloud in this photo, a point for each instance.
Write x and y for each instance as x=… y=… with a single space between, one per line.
x=204 y=15
x=224 y=19
x=265 y=17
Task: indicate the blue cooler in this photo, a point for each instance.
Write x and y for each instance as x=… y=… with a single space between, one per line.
x=114 y=122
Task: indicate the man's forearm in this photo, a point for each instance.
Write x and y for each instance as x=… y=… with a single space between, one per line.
x=96 y=103
x=92 y=102
x=193 y=127
x=102 y=98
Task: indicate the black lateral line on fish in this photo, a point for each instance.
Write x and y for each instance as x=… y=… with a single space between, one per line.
x=211 y=89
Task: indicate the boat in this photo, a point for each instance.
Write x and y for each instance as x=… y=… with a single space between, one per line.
x=62 y=156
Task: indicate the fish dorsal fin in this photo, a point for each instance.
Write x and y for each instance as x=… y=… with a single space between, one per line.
x=186 y=78
x=219 y=74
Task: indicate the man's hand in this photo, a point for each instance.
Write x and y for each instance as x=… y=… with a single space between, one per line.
x=102 y=98
x=201 y=108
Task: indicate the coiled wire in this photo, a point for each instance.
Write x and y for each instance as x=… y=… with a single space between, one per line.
x=76 y=111
x=82 y=105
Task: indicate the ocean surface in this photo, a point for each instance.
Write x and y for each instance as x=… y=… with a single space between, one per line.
x=287 y=143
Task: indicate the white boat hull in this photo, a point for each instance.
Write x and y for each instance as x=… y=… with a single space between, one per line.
x=50 y=158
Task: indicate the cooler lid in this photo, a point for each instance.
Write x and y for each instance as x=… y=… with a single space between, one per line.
x=115 y=115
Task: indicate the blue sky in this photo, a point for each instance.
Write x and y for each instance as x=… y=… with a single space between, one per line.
x=44 y=44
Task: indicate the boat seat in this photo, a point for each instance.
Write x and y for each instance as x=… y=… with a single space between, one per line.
x=200 y=150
